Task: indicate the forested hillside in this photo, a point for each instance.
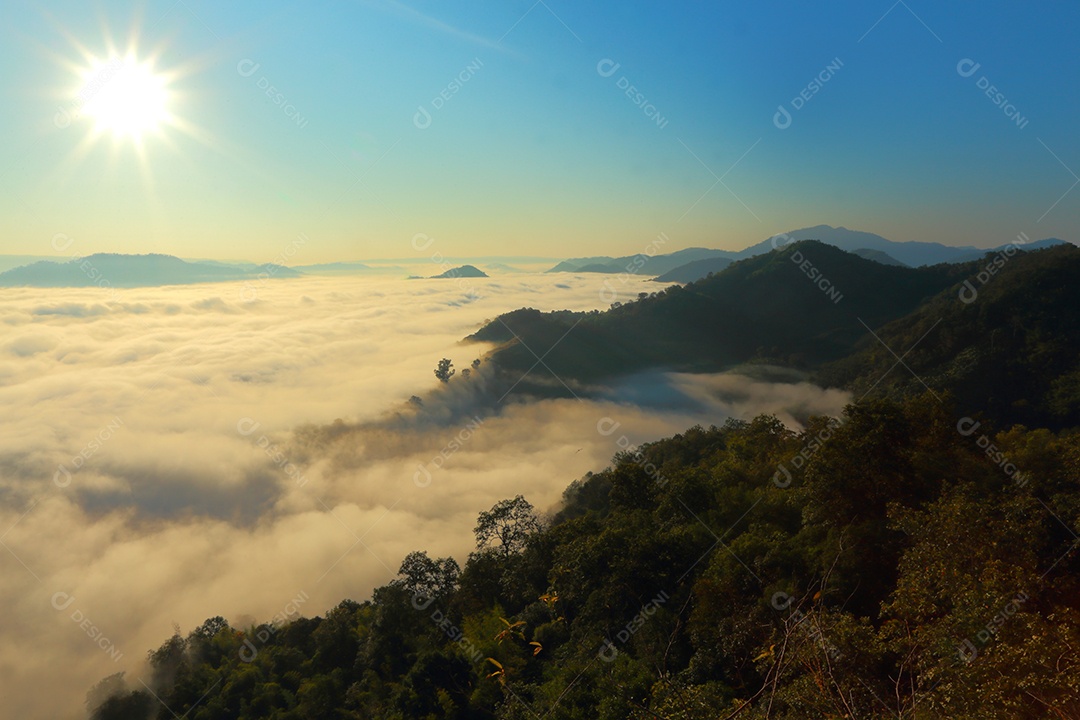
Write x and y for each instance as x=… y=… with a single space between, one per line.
x=1006 y=343
x=1002 y=333
x=801 y=305
x=902 y=561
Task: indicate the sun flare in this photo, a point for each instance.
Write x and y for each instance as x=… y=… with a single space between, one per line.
x=124 y=97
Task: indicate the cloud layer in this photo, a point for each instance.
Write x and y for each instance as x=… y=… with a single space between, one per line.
x=171 y=454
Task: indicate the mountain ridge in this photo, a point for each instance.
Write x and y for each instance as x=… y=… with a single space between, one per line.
x=130 y=271
x=912 y=253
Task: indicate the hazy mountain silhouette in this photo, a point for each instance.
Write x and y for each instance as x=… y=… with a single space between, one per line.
x=641 y=264
x=912 y=254
x=463 y=271
x=976 y=255
x=115 y=270
x=9 y=262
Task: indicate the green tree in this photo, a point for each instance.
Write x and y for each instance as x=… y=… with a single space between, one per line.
x=445 y=370
x=422 y=576
x=510 y=522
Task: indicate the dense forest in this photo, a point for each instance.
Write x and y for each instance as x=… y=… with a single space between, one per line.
x=1008 y=346
x=903 y=561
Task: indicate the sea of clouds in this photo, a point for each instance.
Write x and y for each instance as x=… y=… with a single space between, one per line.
x=171 y=454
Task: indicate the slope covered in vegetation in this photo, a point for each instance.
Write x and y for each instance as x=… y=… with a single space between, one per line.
x=899 y=562
x=1002 y=334
x=1006 y=342
x=801 y=305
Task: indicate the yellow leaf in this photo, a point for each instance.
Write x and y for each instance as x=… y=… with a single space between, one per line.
x=767 y=653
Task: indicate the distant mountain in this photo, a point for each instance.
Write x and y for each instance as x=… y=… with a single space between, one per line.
x=464 y=271
x=695 y=270
x=641 y=264
x=878 y=256
x=7 y=262
x=975 y=254
x=909 y=254
x=575 y=264
x=913 y=253
x=114 y=270
x=611 y=267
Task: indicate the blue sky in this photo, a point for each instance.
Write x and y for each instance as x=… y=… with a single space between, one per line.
x=539 y=150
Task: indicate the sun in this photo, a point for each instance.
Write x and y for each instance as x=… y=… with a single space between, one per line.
x=130 y=103
x=124 y=97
